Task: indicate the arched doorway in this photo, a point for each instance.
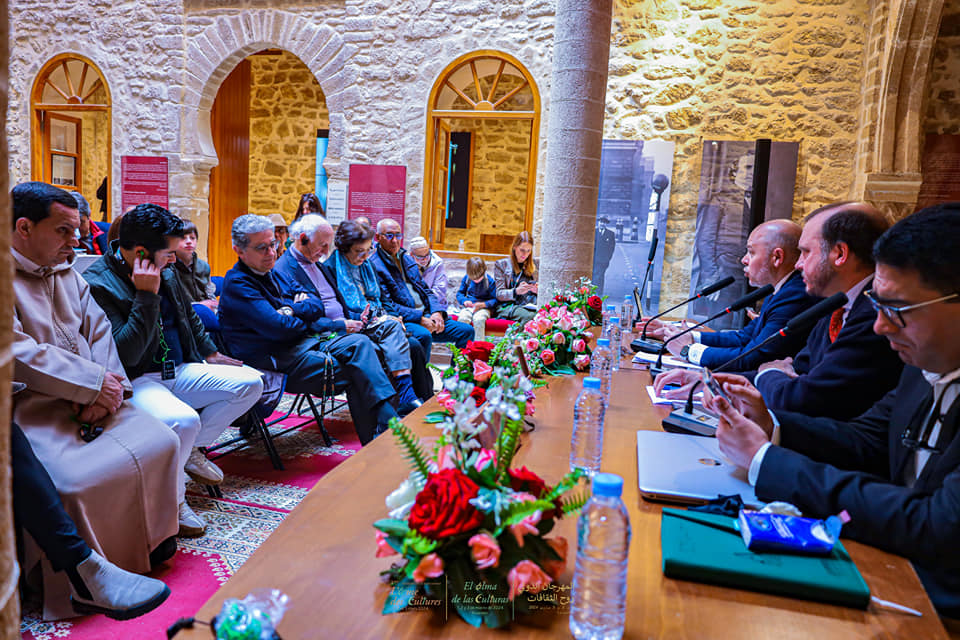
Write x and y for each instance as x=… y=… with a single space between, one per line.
x=483 y=127
x=268 y=121
x=71 y=139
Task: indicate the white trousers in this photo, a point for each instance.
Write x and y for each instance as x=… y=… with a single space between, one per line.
x=199 y=403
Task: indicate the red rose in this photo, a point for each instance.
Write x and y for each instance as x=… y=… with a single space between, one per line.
x=523 y=479
x=479 y=395
x=595 y=303
x=443 y=508
x=478 y=350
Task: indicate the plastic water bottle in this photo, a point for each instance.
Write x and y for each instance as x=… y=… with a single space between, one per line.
x=616 y=342
x=600 y=366
x=627 y=314
x=609 y=310
x=599 y=600
x=586 y=445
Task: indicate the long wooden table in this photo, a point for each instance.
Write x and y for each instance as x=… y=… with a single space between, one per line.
x=322 y=555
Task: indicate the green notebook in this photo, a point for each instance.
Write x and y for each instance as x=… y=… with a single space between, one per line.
x=708 y=548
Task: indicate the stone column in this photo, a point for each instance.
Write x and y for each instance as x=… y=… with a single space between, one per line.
x=578 y=87
x=9 y=599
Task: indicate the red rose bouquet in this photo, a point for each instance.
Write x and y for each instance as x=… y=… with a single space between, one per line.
x=582 y=296
x=467 y=525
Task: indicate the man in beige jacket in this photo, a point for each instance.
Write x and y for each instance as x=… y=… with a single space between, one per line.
x=114 y=466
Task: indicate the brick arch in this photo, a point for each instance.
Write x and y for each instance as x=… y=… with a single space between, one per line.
x=903 y=34
x=212 y=54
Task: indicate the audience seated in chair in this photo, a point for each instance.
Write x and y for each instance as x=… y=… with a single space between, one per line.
x=516 y=280
x=431 y=266
x=300 y=270
x=194 y=272
x=477 y=296
x=177 y=373
x=895 y=469
x=113 y=464
x=399 y=277
x=844 y=367
x=269 y=330
x=96 y=584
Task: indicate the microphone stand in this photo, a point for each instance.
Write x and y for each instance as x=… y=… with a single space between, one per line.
x=646 y=274
x=647 y=346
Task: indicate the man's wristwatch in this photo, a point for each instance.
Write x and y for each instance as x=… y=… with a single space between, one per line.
x=685 y=352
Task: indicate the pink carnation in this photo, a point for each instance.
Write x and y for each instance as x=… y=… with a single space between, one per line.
x=579 y=345
x=527 y=576
x=547 y=356
x=484 y=550
x=485 y=458
x=384 y=549
x=525 y=526
x=431 y=566
x=481 y=371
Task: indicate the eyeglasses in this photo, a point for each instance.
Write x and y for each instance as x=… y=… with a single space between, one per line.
x=265 y=247
x=360 y=253
x=420 y=258
x=895 y=314
x=392 y=235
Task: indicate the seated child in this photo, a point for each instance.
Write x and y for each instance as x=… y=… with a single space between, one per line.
x=477 y=296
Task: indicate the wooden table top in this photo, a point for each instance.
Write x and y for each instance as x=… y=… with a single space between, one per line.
x=322 y=555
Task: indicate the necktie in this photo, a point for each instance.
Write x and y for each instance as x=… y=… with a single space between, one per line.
x=836 y=323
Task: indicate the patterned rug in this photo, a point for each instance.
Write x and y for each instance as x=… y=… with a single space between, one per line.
x=256 y=498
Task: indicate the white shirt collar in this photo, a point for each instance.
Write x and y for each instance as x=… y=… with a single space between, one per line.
x=853 y=292
x=782 y=282
x=941 y=379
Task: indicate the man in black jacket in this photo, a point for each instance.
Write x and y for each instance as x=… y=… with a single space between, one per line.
x=896 y=468
x=176 y=371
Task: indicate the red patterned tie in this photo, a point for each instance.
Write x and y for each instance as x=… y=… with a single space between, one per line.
x=836 y=323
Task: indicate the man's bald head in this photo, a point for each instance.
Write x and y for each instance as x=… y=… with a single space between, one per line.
x=780 y=234
x=771 y=252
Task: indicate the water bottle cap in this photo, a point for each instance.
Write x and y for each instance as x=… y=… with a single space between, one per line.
x=628 y=298
x=591 y=383
x=607 y=484
x=603 y=342
x=614 y=318
x=611 y=307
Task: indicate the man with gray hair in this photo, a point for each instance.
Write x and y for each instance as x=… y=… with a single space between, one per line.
x=269 y=329
x=431 y=266
x=311 y=238
x=92 y=238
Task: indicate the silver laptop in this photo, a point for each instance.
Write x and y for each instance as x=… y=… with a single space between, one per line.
x=676 y=467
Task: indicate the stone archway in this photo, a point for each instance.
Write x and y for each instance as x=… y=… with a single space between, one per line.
x=213 y=53
x=903 y=34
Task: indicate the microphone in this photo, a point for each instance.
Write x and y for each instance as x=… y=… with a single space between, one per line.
x=745 y=301
x=642 y=344
x=686 y=421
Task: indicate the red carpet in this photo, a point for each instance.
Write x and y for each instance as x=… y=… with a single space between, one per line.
x=255 y=500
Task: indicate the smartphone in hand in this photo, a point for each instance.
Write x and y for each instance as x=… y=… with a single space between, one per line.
x=365 y=315
x=711 y=383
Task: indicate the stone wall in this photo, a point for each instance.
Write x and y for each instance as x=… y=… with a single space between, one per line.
x=137 y=45
x=500 y=160
x=943 y=106
x=737 y=69
x=286 y=109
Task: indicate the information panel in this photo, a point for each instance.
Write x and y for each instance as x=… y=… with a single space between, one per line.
x=377 y=192
x=144 y=179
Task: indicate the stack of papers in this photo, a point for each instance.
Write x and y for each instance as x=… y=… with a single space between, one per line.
x=668 y=361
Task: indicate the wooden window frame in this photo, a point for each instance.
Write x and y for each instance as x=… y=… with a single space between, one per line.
x=481 y=109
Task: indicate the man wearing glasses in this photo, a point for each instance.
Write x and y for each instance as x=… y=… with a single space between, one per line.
x=896 y=468
x=423 y=313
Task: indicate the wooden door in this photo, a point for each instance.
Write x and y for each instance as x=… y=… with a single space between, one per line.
x=441 y=155
x=229 y=180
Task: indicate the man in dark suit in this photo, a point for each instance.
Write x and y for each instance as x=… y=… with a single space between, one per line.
x=269 y=330
x=844 y=367
x=771 y=257
x=896 y=468
x=424 y=315
x=604 y=244
x=299 y=269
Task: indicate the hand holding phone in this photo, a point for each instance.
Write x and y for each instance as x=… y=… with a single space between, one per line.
x=711 y=383
x=365 y=315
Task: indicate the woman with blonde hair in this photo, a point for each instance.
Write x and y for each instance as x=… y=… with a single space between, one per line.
x=516 y=280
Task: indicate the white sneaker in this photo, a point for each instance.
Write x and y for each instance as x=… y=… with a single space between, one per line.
x=116 y=593
x=191 y=525
x=201 y=469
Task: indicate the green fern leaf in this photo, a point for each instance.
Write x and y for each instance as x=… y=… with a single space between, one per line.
x=410 y=444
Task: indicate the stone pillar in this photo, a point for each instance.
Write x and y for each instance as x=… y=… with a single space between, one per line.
x=9 y=600
x=578 y=87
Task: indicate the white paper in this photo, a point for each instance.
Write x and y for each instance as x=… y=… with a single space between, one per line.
x=668 y=361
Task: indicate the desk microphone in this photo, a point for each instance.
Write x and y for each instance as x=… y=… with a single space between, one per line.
x=642 y=344
x=745 y=301
x=704 y=424
x=646 y=276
